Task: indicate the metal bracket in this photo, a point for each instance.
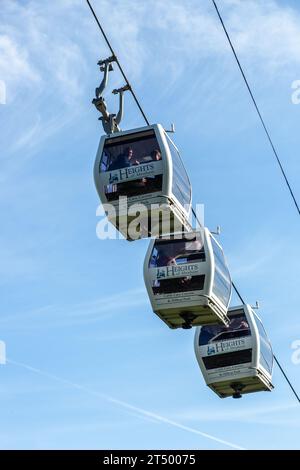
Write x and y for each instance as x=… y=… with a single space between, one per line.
x=257 y=305
x=103 y=62
x=172 y=130
x=218 y=232
x=110 y=121
x=106 y=67
x=120 y=92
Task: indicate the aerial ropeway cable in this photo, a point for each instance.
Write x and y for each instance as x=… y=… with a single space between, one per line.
x=185 y=271
x=266 y=130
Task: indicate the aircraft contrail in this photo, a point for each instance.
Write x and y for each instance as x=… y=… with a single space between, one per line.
x=142 y=412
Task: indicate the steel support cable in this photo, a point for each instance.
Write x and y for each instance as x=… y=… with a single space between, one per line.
x=257 y=109
x=118 y=63
x=275 y=358
x=147 y=122
x=274 y=151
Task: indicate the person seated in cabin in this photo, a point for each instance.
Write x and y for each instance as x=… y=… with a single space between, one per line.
x=164 y=259
x=156 y=155
x=130 y=187
x=123 y=160
x=239 y=324
x=152 y=182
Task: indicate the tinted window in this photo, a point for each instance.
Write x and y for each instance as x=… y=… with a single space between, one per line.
x=126 y=151
x=266 y=354
x=149 y=184
x=181 y=187
x=229 y=359
x=238 y=327
x=177 y=252
x=178 y=284
x=222 y=281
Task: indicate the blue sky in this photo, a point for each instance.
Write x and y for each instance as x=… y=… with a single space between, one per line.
x=89 y=364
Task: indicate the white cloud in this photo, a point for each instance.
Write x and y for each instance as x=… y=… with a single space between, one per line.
x=79 y=313
x=28 y=136
x=53 y=47
x=265 y=31
x=37 y=42
x=15 y=67
x=249 y=259
x=162 y=43
x=33 y=135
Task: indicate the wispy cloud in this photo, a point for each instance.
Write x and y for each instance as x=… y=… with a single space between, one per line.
x=140 y=412
x=28 y=138
x=15 y=66
x=264 y=32
x=57 y=60
x=80 y=313
x=38 y=51
x=254 y=256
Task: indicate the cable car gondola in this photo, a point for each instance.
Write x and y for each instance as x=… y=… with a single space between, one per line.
x=145 y=166
x=187 y=279
x=237 y=358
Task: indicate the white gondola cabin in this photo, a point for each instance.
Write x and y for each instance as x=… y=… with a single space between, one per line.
x=140 y=173
x=187 y=279
x=237 y=358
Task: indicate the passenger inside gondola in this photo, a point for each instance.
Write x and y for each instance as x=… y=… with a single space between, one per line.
x=156 y=155
x=175 y=252
x=237 y=328
x=133 y=152
x=123 y=160
x=116 y=157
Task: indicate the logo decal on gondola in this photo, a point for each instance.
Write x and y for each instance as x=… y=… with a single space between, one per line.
x=173 y=271
x=160 y=273
x=113 y=178
x=211 y=350
x=225 y=346
x=131 y=172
